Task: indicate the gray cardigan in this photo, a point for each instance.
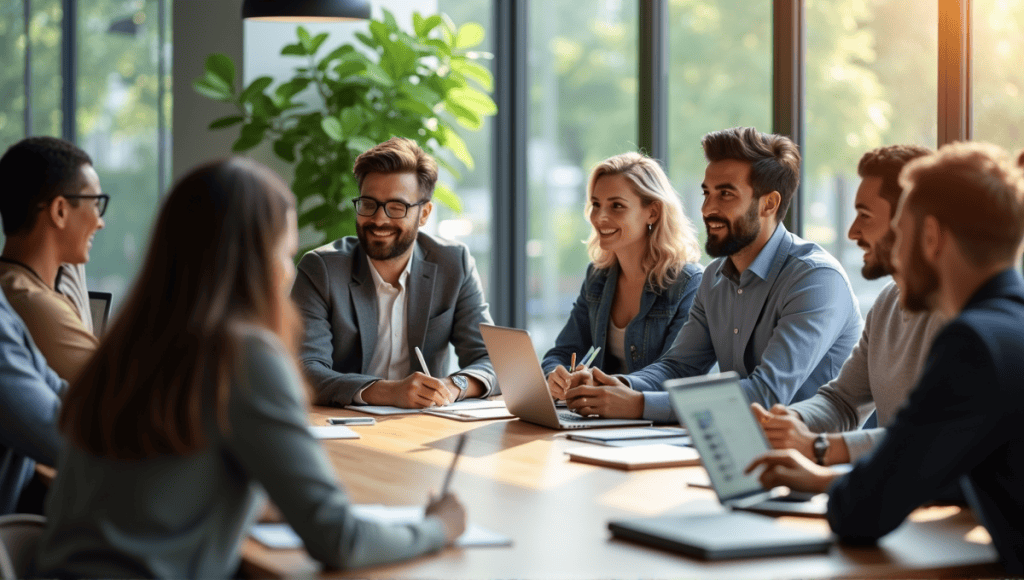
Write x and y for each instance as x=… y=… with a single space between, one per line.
x=880 y=373
x=186 y=516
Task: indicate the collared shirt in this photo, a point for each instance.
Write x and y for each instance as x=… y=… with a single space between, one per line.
x=390 y=358
x=785 y=324
x=52 y=318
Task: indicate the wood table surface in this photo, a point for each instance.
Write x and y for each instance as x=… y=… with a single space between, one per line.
x=514 y=478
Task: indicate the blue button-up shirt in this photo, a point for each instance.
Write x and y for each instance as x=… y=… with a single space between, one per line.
x=29 y=405
x=786 y=324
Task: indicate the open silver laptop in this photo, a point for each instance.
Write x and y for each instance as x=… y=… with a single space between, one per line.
x=523 y=386
x=716 y=412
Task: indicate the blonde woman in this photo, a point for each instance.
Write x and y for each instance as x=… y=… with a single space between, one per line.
x=643 y=275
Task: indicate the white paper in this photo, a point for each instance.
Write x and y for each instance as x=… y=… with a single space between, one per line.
x=333 y=432
x=283 y=537
x=457 y=406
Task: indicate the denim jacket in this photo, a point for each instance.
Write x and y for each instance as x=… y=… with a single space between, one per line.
x=648 y=335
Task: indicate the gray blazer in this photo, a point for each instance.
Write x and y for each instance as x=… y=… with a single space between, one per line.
x=335 y=293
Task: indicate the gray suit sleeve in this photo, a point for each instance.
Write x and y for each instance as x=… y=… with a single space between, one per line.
x=311 y=293
x=470 y=311
x=29 y=398
x=268 y=434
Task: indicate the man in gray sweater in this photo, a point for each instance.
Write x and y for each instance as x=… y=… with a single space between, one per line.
x=885 y=364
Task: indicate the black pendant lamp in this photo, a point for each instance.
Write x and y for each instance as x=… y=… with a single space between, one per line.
x=306 y=10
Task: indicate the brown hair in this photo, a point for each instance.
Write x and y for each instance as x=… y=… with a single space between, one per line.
x=398 y=155
x=976 y=191
x=774 y=160
x=671 y=240
x=172 y=350
x=33 y=172
x=886 y=163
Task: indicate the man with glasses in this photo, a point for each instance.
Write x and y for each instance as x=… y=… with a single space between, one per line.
x=51 y=205
x=371 y=301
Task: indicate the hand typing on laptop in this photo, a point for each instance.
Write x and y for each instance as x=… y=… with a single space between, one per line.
x=790 y=468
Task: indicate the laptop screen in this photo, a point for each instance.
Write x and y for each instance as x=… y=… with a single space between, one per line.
x=718 y=416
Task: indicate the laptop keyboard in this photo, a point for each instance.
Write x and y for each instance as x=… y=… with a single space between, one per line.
x=571 y=417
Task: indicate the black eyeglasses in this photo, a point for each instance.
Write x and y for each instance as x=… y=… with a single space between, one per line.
x=101 y=201
x=394 y=209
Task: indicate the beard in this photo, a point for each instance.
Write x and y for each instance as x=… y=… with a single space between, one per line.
x=739 y=235
x=378 y=250
x=920 y=281
x=881 y=255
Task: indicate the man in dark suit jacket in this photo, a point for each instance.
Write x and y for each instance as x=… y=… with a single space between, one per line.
x=958 y=228
x=369 y=302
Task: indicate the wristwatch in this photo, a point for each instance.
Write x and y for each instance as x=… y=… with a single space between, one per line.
x=462 y=383
x=820 y=448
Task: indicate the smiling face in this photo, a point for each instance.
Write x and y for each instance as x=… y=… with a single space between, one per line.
x=83 y=220
x=385 y=238
x=871 y=228
x=731 y=213
x=619 y=217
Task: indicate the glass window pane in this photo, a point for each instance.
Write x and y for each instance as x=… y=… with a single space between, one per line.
x=582 y=109
x=474 y=187
x=117 y=122
x=12 y=79
x=45 y=35
x=871 y=81
x=720 y=76
x=997 y=74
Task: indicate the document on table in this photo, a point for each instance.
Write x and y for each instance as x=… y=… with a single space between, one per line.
x=332 y=432
x=283 y=537
x=457 y=406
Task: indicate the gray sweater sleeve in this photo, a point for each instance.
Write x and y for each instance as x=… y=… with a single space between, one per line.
x=268 y=435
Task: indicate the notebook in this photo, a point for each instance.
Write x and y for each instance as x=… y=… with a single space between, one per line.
x=523 y=386
x=640 y=457
x=633 y=436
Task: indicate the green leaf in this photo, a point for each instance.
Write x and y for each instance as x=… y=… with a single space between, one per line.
x=366 y=40
x=285 y=150
x=317 y=41
x=376 y=74
x=226 y=122
x=465 y=117
x=429 y=24
x=263 y=106
x=442 y=47
x=415 y=107
x=453 y=142
x=470 y=35
x=293 y=50
x=417 y=24
x=445 y=195
x=251 y=136
x=420 y=93
x=351 y=120
x=360 y=143
x=481 y=74
x=222 y=67
x=389 y=19
x=211 y=91
x=349 y=68
x=256 y=87
x=305 y=39
x=473 y=100
x=380 y=32
x=291 y=88
x=317 y=215
x=332 y=126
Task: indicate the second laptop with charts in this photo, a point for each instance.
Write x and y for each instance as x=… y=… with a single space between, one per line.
x=724 y=431
x=523 y=386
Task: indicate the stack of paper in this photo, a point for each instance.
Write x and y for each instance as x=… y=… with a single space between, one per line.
x=640 y=457
x=457 y=406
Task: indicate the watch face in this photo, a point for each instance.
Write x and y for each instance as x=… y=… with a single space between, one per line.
x=461 y=382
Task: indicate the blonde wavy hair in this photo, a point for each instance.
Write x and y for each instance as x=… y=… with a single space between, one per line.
x=672 y=239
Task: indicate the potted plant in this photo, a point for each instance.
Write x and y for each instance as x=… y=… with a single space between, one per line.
x=414 y=85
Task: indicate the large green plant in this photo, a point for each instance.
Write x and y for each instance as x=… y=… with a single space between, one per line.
x=409 y=85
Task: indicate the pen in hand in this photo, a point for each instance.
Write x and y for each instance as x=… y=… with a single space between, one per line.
x=451 y=468
x=423 y=363
x=593 y=356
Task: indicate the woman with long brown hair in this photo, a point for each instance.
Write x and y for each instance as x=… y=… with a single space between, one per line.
x=193 y=405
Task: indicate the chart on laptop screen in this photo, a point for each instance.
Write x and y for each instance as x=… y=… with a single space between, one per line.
x=727 y=439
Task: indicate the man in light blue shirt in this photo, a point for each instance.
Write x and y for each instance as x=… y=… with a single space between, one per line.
x=29 y=407
x=773 y=307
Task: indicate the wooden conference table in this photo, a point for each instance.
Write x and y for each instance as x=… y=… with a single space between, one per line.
x=514 y=478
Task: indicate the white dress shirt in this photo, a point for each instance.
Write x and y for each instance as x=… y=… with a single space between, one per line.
x=390 y=358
